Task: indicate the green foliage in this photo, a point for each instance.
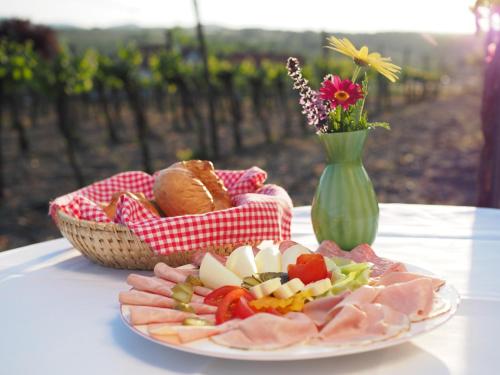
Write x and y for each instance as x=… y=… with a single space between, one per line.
x=127 y=64
x=74 y=73
x=107 y=74
x=17 y=64
x=168 y=66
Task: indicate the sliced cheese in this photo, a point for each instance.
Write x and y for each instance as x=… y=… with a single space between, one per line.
x=289 y=289
x=214 y=275
x=268 y=260
x=266 y=288
x=319 y=287
x=242 y=262
x=291 y=254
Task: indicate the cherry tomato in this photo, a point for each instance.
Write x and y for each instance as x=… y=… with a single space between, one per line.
x=308 y=268
x=215 y=297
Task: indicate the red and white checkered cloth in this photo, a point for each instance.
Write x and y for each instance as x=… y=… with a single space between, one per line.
x=260 y=212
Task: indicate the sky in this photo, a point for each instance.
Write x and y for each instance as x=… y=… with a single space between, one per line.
x=442 y=16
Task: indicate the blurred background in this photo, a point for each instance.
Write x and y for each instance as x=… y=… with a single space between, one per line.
x=89 y=89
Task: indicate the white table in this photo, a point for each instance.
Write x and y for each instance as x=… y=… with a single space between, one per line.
x=59 y=312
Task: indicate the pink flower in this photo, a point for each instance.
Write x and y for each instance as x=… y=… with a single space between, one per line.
x=340 y=92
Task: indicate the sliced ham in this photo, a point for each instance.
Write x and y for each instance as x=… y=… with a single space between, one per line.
x=148 y=314
x=414 y=298
x=363 y=295
x=158 y=286
x=202 y=291
x=362 y=253
x=166 y=272
x=189 y=269
x=401 y=277
x=266 y=332
x=139 y=298
x=150 y=284
x=322 y=310
x=187 y=334
x=363 y=323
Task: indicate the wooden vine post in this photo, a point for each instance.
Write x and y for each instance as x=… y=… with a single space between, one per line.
x=210 y=91
x=489 y=169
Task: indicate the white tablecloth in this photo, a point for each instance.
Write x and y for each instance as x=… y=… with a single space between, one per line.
x=59 y=312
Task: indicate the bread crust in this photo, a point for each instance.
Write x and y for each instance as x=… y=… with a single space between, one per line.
x=110 y=209
x=190 y=187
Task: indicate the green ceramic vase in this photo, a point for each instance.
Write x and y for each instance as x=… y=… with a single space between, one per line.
x=345 y=208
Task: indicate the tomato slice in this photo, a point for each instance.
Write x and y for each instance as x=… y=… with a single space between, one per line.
x=306 y=258
x=242 y=309
x=225 y=311
x=309 y=268
x=215 y=297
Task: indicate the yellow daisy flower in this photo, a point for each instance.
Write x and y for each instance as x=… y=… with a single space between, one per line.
x=361 y=57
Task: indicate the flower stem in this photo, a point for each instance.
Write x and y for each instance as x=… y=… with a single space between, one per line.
x=355 y=74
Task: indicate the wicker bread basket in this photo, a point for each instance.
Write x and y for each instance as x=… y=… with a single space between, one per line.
x=114 y=245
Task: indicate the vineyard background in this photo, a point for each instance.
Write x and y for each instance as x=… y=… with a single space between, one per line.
x=80 y=105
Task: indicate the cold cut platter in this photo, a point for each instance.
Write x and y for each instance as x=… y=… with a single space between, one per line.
x=282 y=303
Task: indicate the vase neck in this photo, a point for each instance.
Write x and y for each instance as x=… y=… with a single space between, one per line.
x=344 y=147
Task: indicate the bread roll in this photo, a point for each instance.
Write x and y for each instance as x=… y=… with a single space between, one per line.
x=190 y=187
x=110 y=209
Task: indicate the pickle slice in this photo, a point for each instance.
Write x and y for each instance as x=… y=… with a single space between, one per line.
x=186 y=307
x=272 y=275
x=194 y=280
x=195 y=322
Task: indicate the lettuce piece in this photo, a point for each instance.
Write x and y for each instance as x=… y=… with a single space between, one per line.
x=332 y=267
x=354 y=267
x=355 y=275
x=342 y=285
x=339 y=261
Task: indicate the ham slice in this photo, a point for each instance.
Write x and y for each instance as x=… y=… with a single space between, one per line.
x=202 y=291
x=364 y=323
x=184 y=334
x=363 y=295
x=187 y=334
x=401 y=277
x=159 y=286
x=414 y=298
x=322 y=310
x=166 y=272
x=150 y=284
x=139 y=298
x=362 y=253
x=147 y=314
x=266 y=332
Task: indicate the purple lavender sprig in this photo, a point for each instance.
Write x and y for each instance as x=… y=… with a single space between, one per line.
x=312 y=106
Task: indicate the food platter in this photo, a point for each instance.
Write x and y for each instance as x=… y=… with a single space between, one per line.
x=448 y=294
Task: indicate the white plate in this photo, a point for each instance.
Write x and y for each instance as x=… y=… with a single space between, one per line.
x=302 y=351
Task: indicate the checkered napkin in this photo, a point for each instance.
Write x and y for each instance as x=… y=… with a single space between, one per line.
x=260 y=212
